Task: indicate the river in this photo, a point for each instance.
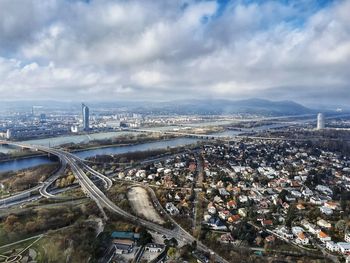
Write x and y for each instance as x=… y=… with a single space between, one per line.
x=34 y=161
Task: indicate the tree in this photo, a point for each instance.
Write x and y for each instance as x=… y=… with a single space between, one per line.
x=282 y=195
x=172 y=242
x=340 y=225
x=11 y=219
x=12 y=224
x=31 y=227
x=194 y=245
x=145 y=237
x=290 y=215
x=172 y=253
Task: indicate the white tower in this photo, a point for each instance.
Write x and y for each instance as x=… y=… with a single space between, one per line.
x=320 y=121
x=86 y=116
x=8 y=134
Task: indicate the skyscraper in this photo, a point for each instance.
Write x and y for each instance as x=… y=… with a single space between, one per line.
x=8 y=134
x=85 y=113
x=320 y=121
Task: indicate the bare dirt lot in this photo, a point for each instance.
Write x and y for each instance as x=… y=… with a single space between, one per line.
x=142 y=205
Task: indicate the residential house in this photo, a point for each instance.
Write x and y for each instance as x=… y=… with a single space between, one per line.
x=325 y=210
x=231 y=204
x=344 y=247
x=315 y=200
x=332 y=246
x=216 y=224
x=226 y=238
x=324 y=223
x=243 y=198
x=266 y=223
x=296 y=230
x=300 y=207
x=172 y=209
x=211 y=209
x=224 y=214
x=323 y=237
x=332 y=205
x=302 y=239
x=347 y=237
x=233 y=219
x=242 y=212
x=284 y=232
x=154 y=248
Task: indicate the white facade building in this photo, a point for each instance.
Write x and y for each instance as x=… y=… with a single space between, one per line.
x=320 y=121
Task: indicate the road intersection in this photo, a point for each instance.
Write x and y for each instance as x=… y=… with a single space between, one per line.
x=91 y=190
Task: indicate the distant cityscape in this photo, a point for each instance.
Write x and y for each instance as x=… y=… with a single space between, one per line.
x=284 y=179
x=41 y=122
x=188 y=131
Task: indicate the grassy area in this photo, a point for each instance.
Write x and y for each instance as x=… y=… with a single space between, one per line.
x=72 y=193
x=70 y=244
x=117 y=193
x=29 y=222
x=201 y=207
x=16 y=181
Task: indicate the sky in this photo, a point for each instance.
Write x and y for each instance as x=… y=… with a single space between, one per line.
x=175 y=49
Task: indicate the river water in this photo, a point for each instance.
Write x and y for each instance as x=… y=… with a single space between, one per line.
x=35 y=161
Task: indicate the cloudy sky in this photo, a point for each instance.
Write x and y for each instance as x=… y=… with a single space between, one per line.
x=173 y=49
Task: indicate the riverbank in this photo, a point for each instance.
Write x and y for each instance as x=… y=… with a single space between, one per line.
x=83 y=147
x=102 y=144
x=19 y=164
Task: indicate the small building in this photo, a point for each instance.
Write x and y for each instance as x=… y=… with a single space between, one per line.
x=300 y=207
x=231 y=204
x=125 y=235
x=331 y=246
x=315 y=200
x=124 y=242
x=324 y=223
x=154 y=248
x=302 y=239
x=242 y=212
x=226 y=238
x=325 y=210
x=243 y=198
x=216 y=224
x=331 y=204
x=172 y=209
x=323 y=237
x=296 y=230
x=123 y=246
x=284 y=232
x=266 y=223
x=347 y=237
x=233 y=219
x=344 y=247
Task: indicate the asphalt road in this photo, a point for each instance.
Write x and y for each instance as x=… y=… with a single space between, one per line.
x=103 y=202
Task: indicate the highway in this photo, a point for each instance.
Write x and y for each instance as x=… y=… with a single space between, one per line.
x=102 y=201
x=107 y=181
x=45 y=185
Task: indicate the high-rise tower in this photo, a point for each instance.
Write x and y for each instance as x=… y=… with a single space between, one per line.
x=85 y=113
x=320 y=121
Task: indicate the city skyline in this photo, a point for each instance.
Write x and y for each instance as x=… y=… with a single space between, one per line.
x=175 y=131
x=156 y=50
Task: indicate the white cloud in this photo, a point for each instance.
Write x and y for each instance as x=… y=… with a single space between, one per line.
x=166 y=49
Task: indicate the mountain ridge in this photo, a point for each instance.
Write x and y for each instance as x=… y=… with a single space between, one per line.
x=188 y=106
